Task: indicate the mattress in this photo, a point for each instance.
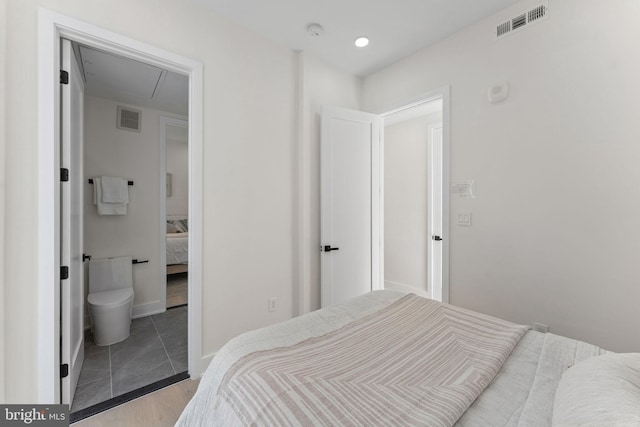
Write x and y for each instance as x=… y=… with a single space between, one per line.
x=519 y=392
x=177 y=248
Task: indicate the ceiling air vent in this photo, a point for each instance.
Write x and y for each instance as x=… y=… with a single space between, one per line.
x=129 y=119
x=519 y=21
x=522 y=20
x=504 y=28
x=537 y=13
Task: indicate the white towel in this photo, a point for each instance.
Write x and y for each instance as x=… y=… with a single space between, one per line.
x=114 y=189
x=107 y=208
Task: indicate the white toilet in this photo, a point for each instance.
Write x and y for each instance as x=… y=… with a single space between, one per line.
x=110 y=299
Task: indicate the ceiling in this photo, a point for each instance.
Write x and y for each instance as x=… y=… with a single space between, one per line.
x=132 y=82
x=396 y=28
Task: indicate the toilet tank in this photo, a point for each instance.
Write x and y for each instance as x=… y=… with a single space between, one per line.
x=107 y=274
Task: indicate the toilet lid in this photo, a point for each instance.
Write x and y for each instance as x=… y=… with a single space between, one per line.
x=110 y=298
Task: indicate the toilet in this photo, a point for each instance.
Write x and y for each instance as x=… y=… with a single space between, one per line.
x=110 y=299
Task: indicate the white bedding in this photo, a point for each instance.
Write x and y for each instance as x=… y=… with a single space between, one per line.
x=523 y=391
x=521 y=394
x=177 y=248
x=600 y=391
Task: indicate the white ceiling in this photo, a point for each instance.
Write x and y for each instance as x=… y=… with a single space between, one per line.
x=396 y=28
x=132 y=82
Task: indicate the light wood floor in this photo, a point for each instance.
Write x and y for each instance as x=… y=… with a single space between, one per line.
x=158 y=409
x=177 y=289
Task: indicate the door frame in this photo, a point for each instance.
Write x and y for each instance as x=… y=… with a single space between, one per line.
x=443 y=93
x=72 y=141
x=52 y=27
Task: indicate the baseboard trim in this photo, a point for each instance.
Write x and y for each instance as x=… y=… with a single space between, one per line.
x=147 y=309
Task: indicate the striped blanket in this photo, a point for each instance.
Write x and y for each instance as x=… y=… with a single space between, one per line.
x=413 y=362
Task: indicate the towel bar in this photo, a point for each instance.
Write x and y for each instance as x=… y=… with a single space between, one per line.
x=86 y=257
x=128 y=182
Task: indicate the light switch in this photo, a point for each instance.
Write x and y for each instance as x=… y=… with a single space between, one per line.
x=464 y=218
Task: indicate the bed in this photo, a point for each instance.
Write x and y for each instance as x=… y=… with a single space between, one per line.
x=177 y=244
x=388 y=358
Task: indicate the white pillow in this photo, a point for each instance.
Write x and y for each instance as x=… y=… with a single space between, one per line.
x=600 y=391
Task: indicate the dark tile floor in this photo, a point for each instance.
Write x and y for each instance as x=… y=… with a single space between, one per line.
x=156 y=349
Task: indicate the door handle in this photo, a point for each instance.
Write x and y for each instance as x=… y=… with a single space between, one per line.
x=86 y=257
x=437 y=238
x=328 y=248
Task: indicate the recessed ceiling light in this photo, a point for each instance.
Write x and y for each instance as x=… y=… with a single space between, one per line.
x=361 y=41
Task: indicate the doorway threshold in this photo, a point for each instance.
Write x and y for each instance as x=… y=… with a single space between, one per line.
x=127 y=397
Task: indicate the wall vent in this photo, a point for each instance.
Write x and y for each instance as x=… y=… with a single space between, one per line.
x=129 y=119
x=504 y=28
x=537 y=13
x=522 y=20
x=519 y=21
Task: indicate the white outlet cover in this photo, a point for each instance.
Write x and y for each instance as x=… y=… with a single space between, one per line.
x=540 y=327
x=464 y=218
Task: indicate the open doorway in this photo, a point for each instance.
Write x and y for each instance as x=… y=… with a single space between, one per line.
x=53 y=275
x=412 y=156
x=353 y=200
x=126 y=140
x=408 y=195
x=174 y=142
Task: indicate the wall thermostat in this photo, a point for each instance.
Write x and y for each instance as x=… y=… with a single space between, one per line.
x=498 y=92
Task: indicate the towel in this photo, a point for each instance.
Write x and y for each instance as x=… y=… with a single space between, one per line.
x=114 y=189
x=106 y=208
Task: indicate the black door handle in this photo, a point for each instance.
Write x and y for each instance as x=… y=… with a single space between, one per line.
x=86 y=257
x=437 y=238
x=328 y=248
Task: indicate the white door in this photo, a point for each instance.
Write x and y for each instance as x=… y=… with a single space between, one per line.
x=350 y=205
x=435 y=214
x=71 y=235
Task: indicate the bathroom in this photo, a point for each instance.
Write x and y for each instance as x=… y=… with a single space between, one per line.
x=135 y=128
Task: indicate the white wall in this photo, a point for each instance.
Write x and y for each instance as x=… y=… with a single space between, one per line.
x=3 y=35
x=555 y=236
x=178 y=166
x=249 y=128
x=134 y=156
x=405 y=202
x=322 y=85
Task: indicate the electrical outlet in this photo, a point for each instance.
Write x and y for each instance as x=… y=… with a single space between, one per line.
x=273 y=304
x=541 y=327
